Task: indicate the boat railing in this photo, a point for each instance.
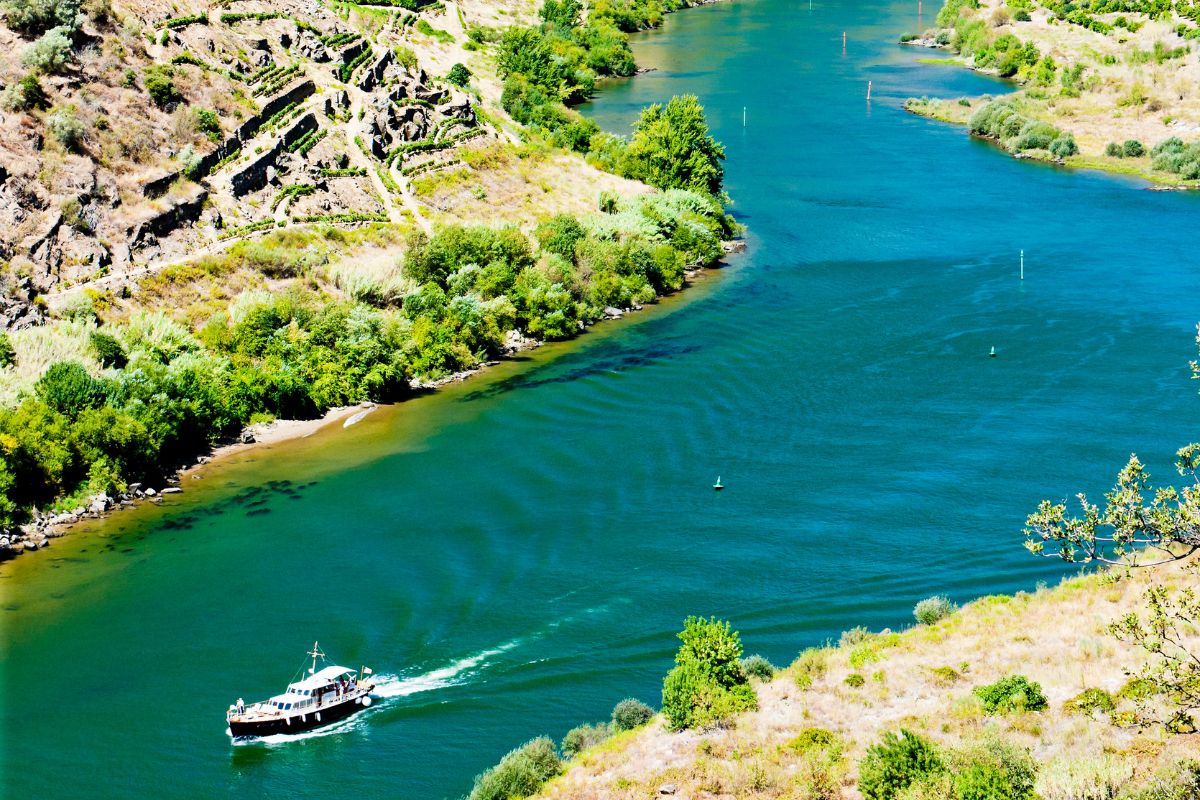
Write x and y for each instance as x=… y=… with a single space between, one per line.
x=265 y=709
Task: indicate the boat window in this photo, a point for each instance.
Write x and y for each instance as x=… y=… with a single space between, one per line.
x=288 y=707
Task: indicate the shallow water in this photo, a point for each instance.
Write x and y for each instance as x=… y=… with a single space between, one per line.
x=515 y=553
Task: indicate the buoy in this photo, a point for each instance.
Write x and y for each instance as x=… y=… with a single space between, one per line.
x=993 y=353
x=868 y=90
x=366 y=701
x=717 y=486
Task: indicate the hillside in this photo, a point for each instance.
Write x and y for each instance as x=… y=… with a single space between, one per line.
x=1118 y=83
x=220 y=214
x=922 y=680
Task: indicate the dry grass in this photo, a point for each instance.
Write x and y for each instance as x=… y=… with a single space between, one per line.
x=1057 y=637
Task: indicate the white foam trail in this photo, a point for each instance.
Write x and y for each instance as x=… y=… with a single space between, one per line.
x=451 y=675
x=390 y=686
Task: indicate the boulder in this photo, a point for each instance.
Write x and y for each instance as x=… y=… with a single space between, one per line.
x=150 y=493
x=171 y=490
x=247 y=437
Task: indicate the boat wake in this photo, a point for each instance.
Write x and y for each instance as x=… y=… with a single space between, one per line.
x=388 y=687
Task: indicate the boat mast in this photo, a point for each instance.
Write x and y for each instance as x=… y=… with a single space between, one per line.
x=315 y=652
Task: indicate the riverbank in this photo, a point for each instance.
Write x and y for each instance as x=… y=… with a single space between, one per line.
x=1120 y=84
x=817 y=717
x=43 y=528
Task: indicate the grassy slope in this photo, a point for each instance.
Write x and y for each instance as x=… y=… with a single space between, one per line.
x=1170 y=96
x=1056 y=636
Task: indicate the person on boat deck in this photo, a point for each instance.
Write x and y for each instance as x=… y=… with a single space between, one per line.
x=241 y=706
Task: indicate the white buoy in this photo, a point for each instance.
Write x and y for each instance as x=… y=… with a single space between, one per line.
x=993 y=353
x=1022 y=265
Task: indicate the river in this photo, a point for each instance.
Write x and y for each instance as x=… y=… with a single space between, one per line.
x=513 y=555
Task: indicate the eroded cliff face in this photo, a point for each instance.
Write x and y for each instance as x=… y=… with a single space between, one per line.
x=168 y=128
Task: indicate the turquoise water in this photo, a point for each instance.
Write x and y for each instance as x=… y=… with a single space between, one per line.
x=515 y=553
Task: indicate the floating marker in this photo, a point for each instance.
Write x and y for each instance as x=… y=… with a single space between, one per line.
x=1022 y=265
x=743 y=116
x=993 y=353
x=843 y=41
x=868 y=90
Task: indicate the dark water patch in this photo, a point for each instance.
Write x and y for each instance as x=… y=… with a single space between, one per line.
x=258 y=512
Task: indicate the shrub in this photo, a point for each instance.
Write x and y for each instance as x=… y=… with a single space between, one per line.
x=582 y=737
x=66 y=128
x=757 y=666
x=207 y=123
x=1013 y=693
x=50 y=53
x=894 y=763
x=1089 y=701
x=37 y=16
x=994 y=770
x=855 y=681
x=809 y=666
x=67 y=388
x=1083 y=777
x=1114 y=150
x=933 y=609
x=1133 y=149
x=811 y=739
x=629 y=714
x=520 y=773
x=108 y=350
x=458 y=75
x=1064 y=146
x=8 y=356
x=945 y=675
x=26 y=95
x=708 y=684
x=159 y=85
x=854 y=636
x=1138 y=689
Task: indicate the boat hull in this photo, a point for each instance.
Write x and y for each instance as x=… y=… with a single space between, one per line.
x=299 y=723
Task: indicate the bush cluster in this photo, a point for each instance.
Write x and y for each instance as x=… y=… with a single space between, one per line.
x=757 y=666
x=1001 y=121
x=630 y=713
x=519 y=774
x=909 y=767
x=1174 y=155
x=707 y=684
x=933 y=609
x=1012 y=693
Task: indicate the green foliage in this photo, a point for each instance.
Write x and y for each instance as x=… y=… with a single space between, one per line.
x=855 y=681
x=811 y=739
x=993 y=770
x=952 y=11
x=582 y=737
x=67 y=388
x=854 y=636
x=1064 y=146
x=33 y=17
x=520 y=773
x=26 y=95
x=809 y=666
x=207 y=123
x=896 y=762
x=108 y=350
x=159 y=83
x=757 y=666
x=49 y=54
x=1090 y=701
x=183 y=22
x=66 y=128
x=1010 y=694
x=671 y=148
x=458 y=75
x=1001 y=121
x=405 y=56
x=1173 y=155
x=630 y=713
x=1133 y=148
x=707 y=685
x=8 y=355
x=1162 y=630
x=933 y=609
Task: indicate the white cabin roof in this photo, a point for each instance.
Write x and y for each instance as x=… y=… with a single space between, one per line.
x=321 y=678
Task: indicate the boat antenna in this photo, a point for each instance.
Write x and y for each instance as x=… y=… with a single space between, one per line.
x=315 y=653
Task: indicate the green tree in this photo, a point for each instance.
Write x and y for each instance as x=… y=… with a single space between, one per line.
x=671 y=148
x=68 y=388
x=50 y=53
x=561 y=13
x=159 y=83
x=33 y=17
x=459 y=75
x=895 y=763
x=707 y=684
